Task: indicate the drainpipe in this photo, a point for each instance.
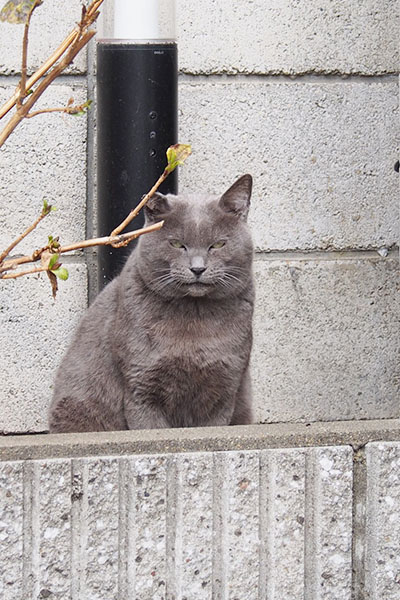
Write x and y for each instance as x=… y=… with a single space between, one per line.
x=136 y=113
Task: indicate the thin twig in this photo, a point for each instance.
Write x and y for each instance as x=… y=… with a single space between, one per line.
x=109 y=240
x=11 y=263
x=22 y=273
x=22 y=83
x=19 y=239
x=69 y=110
x=48 y=73
x=137 y=208
x=176 y=155
x=46 y=110
x=123 y=238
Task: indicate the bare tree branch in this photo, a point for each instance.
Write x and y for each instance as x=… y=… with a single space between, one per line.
x=21 y=113
x=123 y=239
x=77 y=42
x=110 y=240
x=176 y=155
x=22 y=84
x=7 y=106
x=19 y=239
x=22 y=273
x=69 y=109
x=135 y=211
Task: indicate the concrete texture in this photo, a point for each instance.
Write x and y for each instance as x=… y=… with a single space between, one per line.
x=328 y=523
x=33 y=333
x=326 y=339
x=236 y=517
x=383 y=521
x=263 y=36
x=98 y=522
x=282 y=523
x=323 y=168
x=50 y=25
x=11 y=528
x=48 y=505
x=45 y=157
x=195 y=526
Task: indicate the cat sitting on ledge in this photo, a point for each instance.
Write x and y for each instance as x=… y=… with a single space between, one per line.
x=167 y=343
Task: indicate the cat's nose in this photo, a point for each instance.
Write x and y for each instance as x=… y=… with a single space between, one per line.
x=198 y=270
x=197 y=265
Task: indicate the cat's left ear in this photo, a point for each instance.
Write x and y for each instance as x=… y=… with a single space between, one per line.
x=156 y=207
x=236 y=200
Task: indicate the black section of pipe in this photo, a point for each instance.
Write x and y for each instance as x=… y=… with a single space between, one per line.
x=136 y=123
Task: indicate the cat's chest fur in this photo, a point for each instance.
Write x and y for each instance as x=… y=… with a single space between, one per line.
x=199 y=334
x=191 y=338
x=192 y=359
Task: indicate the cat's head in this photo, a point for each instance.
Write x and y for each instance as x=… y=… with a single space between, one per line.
x=204 y=248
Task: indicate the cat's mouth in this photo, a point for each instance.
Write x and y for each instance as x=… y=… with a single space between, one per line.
x=200 y=283
x=198 y=288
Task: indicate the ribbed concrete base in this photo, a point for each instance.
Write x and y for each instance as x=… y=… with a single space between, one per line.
x=317 y=522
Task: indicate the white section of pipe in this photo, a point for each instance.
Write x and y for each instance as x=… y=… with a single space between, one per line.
x=136 y=19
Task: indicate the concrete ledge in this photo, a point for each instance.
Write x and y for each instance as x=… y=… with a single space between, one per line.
x=283 y=512
x=253 y=437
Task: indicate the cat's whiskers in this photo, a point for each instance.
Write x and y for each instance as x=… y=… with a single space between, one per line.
x=238 y=270
x=228 y=281
x=162 y=281
x=167 y=280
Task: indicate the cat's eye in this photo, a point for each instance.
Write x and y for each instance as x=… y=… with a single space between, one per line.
x=219 y=244
x=176 y=244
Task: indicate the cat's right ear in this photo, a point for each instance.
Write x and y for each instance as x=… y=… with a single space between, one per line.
x=156 y=207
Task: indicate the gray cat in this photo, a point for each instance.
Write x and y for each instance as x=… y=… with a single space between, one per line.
x=167 y=343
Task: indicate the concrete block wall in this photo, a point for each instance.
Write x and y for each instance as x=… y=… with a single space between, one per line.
x=304 y=97
x=264 y=523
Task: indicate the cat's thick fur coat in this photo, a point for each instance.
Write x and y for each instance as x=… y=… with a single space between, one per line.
x=167 y=343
